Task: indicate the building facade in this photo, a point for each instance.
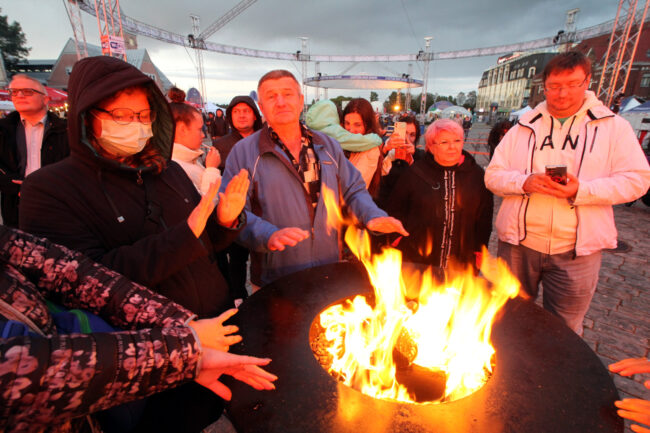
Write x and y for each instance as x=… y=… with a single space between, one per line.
x=506 y=86
x=638 y=83
x=68 y=57
x=55 y=73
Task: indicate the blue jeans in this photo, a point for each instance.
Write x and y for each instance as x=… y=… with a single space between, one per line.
x=568 y=282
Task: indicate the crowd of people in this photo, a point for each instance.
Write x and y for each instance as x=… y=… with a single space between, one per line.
x=123 y=214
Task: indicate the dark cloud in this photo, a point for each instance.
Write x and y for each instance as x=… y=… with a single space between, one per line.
x=333 y=27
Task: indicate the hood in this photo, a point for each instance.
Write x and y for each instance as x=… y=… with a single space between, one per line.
x=591 y=105
x=322 y=114
x=96 y=78
x=248 y=101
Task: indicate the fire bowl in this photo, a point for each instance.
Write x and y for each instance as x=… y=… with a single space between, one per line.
x=546 y=379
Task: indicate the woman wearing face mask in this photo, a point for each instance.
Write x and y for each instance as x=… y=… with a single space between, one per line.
x=120 y=200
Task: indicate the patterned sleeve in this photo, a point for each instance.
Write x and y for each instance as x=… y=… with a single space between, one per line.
x=75 y=281
x=45 y=381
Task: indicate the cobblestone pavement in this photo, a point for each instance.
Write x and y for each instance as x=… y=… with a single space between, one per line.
x=617 y=325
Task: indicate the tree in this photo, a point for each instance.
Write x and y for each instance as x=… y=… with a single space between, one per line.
x=470 y=102
x=374 y=97
x=389 y=104
x=446 y=98
x=416 y=100
x=12 y=42
x=461 y=98
x=339 y=101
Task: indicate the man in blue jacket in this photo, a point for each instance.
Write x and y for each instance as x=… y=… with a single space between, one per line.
x=289 y=166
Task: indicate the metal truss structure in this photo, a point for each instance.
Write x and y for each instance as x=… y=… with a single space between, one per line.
x=74 y=15
x=624 y=39
x=616 y=62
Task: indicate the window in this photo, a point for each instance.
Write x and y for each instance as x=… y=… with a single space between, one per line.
x=645 y=80
x=531 y=72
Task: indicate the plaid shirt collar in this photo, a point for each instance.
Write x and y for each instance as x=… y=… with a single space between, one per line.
x=307 y=166
x=305 y=133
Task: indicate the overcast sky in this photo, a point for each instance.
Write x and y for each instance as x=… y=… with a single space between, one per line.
x=335 y=27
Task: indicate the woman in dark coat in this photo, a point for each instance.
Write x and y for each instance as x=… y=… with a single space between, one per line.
x=443 y=202
x=119 y=199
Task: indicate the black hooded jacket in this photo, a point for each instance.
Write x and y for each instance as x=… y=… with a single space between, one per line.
x=225 y=144
x=132 y=220
x=446 y=210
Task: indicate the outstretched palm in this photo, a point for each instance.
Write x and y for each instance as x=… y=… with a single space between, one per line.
x=232 y=201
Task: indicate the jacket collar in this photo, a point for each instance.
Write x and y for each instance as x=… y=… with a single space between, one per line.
x=267 y=145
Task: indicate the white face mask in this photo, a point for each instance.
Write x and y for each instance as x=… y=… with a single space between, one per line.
x=123 y=140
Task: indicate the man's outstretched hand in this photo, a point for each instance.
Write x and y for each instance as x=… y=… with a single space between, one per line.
x=233 y=200
x=289 y=236
x=387 y=225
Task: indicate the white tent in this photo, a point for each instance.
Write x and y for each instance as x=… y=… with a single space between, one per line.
x=453 y=110
x=210 y=107
x=639 y=118
x=517 y=114
x=630 y=103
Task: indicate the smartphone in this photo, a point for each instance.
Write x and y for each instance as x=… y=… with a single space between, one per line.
x=400 y=131
x=557 y=173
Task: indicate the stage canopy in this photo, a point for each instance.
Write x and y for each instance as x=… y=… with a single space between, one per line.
x=361 y=82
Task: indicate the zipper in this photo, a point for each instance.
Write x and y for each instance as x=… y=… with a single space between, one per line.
x=139 y=177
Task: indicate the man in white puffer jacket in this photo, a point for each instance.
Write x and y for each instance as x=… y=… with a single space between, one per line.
x=550 y=232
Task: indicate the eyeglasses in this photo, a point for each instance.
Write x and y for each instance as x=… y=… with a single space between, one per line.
x=24 y=92
x=448 y=142
x=124 y=116
x=571 y=86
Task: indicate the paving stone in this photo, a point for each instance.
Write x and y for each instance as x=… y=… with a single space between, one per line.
x=638 y=315
x=618 y=290
x=641 y=303
x=596 y=310
x=621 y=321
x=630 y=387
x=606 y=301
x=612 y=275
x=620 y=340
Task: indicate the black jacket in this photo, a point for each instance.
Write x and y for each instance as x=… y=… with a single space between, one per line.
x=13 y=158
x=446 y=210
x=130 y=219
x=225 y=144
x=219 y=126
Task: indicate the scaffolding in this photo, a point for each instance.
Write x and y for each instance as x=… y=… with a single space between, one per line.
x=623 y=42
x=74 y=15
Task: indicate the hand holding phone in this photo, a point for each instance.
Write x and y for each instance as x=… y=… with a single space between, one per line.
x=557 y=173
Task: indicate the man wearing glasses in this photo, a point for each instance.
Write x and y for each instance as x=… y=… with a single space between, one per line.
x=559 y=170
x=30 y=138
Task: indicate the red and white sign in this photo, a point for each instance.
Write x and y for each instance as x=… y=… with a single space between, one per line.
x=112 y=45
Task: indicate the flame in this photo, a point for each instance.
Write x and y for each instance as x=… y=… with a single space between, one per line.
x=440 y=327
